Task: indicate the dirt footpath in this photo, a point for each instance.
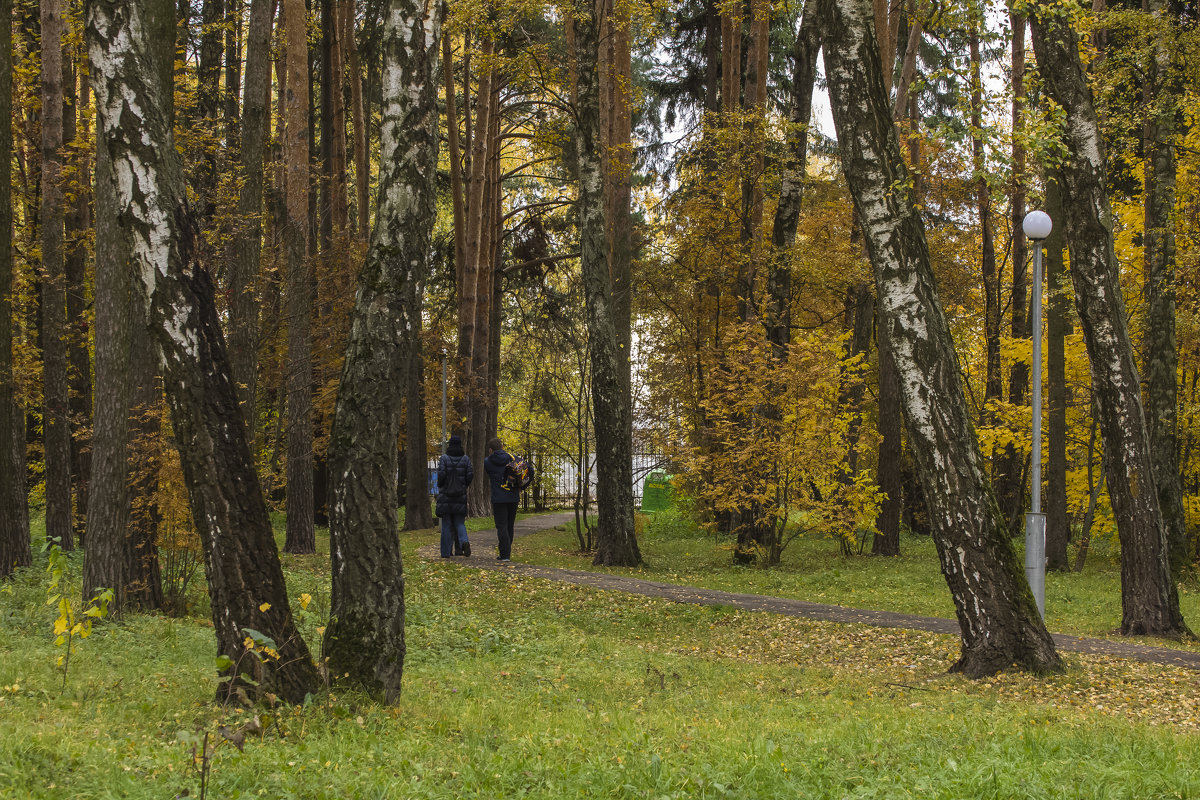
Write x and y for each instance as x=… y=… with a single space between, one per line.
x=483 y=556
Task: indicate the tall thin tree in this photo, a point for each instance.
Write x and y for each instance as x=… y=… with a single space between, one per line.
x=301 y=534
x=14 y=531
x=1149 y=598
x=616 y=543
x=56 y=423
x=998 y=619
x=245 y=580
x=365 y=640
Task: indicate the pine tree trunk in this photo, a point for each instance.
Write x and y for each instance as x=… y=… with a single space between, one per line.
x=1149 y=599
x=1010 y=483
x=999 y=621
x=616 y=544
x=1161 y=358
x=891 y=446
x=362 y=219
x=243 y=282
x=417 y=515
x=245 y=580
x=15 y=549
x=79 y=363
x=56 y=421
x=1058 y=325
x=301 y=535
x=108 y=510
x=365 y=639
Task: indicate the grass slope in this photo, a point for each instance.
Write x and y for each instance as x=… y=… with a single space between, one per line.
x=518 y=687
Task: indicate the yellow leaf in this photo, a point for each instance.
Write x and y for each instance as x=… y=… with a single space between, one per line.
x=264 y=607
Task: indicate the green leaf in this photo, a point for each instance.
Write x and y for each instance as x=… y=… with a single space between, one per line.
x=224 y=663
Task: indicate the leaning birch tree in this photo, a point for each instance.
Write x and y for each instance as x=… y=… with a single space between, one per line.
x=245 y=580
x=365 y=639
x=998 y=619
x=1149 y=599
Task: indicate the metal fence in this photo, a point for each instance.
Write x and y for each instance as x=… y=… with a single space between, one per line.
x=558 y=478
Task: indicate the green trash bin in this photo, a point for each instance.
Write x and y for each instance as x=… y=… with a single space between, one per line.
x=656 y=492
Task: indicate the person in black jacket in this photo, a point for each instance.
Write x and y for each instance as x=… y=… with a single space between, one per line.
x=454 y=475
x=504 y=500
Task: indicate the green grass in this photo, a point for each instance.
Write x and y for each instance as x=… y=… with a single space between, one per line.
x=518 y=687
x=813 y=569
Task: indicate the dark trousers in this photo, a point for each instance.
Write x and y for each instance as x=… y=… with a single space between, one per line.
x=505 y=515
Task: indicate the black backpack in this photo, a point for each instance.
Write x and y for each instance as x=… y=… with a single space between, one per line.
x=454 y=487
x=518 y=474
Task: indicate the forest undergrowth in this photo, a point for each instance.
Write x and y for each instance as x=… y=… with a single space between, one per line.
x=522 y=687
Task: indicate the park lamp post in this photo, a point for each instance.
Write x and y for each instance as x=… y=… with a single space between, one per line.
x=1037 y=227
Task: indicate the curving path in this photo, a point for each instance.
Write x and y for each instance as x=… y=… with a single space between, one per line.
x=483 y=545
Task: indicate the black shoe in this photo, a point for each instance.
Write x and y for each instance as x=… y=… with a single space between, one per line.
x=467 y=550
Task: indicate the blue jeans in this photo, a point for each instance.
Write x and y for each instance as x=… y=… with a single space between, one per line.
x=453 y=526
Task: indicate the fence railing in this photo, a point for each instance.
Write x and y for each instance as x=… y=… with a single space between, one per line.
x=559 y=478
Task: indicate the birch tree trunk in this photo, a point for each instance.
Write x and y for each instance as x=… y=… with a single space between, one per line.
x=615 y=541
x=1149 y=599
x=999 y=621
x=56 y=422
x=245 y=580
x=365 y=639
x=15 y=550
x=301 y=535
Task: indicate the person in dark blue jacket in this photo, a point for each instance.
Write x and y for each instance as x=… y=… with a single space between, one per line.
x=504 y=501
x=454 y=475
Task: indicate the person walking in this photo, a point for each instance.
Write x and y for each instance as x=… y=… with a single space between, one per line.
x=504 y=499
x=454 y=475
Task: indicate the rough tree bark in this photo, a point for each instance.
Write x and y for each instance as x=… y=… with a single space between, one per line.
x=615 y=540
x=1149 y=599
x=243 y=272
x=15 y=550
x=417 y=514
x=365 y=639
x=999 y=621
x=56 y=422
x=1010 y=480
x=1058 y=325
x=1161 y=356
x=245 y=579
x=301 y=534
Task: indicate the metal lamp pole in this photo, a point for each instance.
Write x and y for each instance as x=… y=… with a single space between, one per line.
x=1037 y=227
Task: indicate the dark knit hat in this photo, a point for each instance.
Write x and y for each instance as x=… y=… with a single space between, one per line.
x=454 y=442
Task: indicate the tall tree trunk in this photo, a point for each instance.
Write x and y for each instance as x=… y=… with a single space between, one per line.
x=1149 y=600
x=245 y=580
x=208 y=79
x=15 y=550
x=1161 y=359
x=998 y=618
x=731 y=57
x=301 y=536
x=457 y=198
x=243 y=283
x=233 y=71
x=1058 y=325
x=618 y=173
x=79 y=363
x=983 y=199
x=616 y=543
x=417 y=515
x=891 y=445
x=791 y=189
x=56 y=421
x=362 y=218
x=1010 y=483
x=365 y=640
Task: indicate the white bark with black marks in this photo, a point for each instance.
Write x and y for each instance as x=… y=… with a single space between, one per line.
x=998 y=618
x=365 y=639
